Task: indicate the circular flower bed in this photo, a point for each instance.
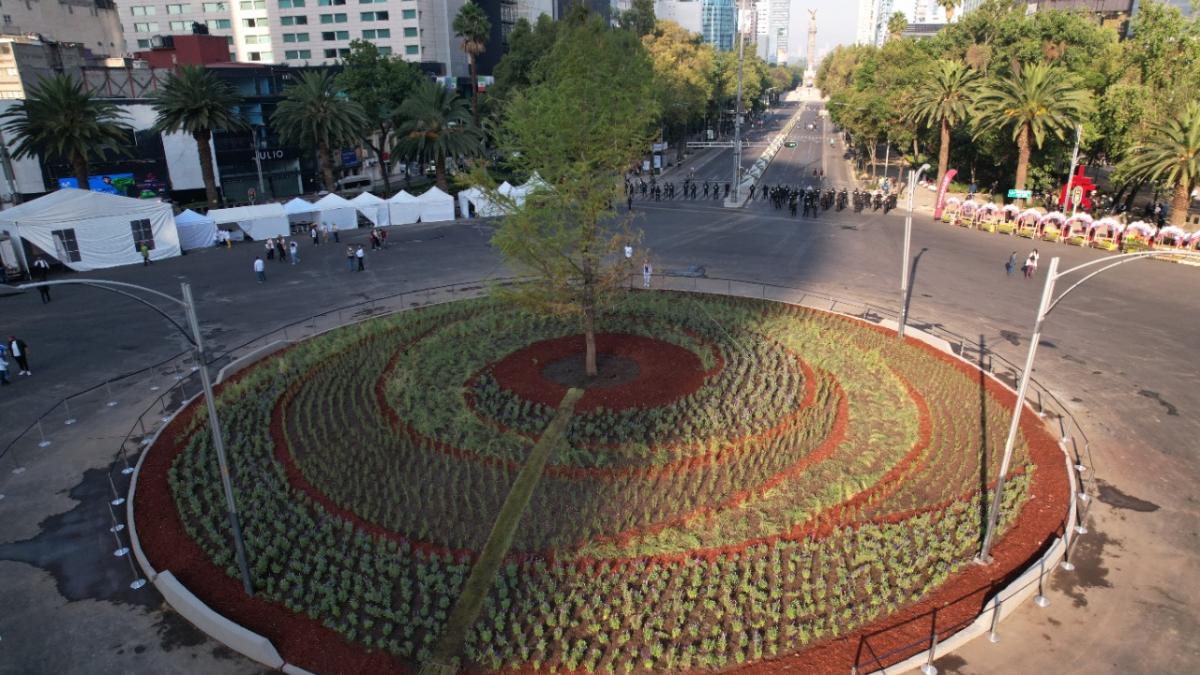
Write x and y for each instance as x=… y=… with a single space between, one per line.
x=749 y=483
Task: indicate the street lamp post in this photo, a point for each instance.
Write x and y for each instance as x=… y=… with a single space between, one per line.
x=737 y=125
x=913 y=177
x=1046 y=305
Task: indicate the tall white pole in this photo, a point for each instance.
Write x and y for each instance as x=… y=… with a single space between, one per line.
x=998 y=496
x=218 y=440
x=913 y=177
x=737 y=125
x=1074 y=163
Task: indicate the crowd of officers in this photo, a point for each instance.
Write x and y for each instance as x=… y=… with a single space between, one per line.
x=808 y=200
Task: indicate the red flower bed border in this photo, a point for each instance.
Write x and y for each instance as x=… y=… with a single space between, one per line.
x=308 y=644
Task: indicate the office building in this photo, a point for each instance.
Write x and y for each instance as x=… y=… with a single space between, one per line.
x=718 y=23
x=686 y=13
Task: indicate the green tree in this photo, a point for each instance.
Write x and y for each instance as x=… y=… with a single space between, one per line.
x=1035 y=101
x=944 y=101
x=584 y=121
x=379 y=84
x=949 y=6
x=1172 y=154
x=472 y=26
x=526 y=46
x=195 y=102
x=896 y=25
x=316 y=112
x=681 y=63
x=59 y=119
x=639 y=18
x=436 y=124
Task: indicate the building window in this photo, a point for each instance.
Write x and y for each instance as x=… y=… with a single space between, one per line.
x=7 y=19
x=330 y=3
x=385 y=51
x=408 y=13
x=297 y=54
x=254 y=4
x=377 y=34
x=214 y=24
x=179 y=9
x=331 y=35
x=215 y=7
x=412 y=49
x=368 y=2
x=255 y=56
x=295 y=37
x=229 y=40
x=294 y=20
x=333 y=18
x=143 y=10
x=410 y=32
x=291 y=4
x=374 y=16
x=143 y=44
x=145 y=27
x=142 y=234
x=181 y=26
x=66 y=246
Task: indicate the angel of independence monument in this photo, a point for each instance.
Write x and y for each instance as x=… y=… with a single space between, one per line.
x=810 y=65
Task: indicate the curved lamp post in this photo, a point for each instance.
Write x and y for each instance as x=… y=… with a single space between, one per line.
x=1045 y=306
x=189 y=307
x=913 y=177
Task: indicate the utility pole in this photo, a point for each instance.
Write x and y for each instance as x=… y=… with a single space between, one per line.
x=737 y=124
x=913 y=177
x=1074 y=162
x=262 y=190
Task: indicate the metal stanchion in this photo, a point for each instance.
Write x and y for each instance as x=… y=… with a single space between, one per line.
x=125 y=460
x=42 y=443
x=121 y=549
x=993 y=636
x=117 y=498
x=929 y=668
x=1040 y=599
x=107 y=388
x=117 y=526
x=18 y=468
x=70 y=420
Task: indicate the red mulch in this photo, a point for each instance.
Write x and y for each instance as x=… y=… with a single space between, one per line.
x=666 y=372
x=308 y=644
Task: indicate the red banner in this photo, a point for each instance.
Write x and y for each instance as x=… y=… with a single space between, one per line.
x=941 y=195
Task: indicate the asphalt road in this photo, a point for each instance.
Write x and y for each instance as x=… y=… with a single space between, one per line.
x=1120 y=349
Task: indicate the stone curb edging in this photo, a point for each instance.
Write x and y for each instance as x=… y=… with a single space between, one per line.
x=260 y=649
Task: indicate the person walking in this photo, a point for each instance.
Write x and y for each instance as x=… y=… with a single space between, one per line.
x=647 y=272
x=3 y=368
x=350 y=258
x=294 y=251
x=1031 y=264
x=20 y=353
x=280 y=250
x=361 y=255
x=383 y=237
x=316 y=236
x=270 y=246
x=260 y=269
x=336 y=238
x=41 y=273
x=1011 y=264
x=145 y=254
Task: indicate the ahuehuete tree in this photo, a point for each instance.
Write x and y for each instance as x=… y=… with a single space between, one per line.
x=315 y=112
x=379 y=84
x=59 y=119
x=195 y=102
x=584 y=121
x=471 y=25
x=1172 y=154
x=943 y=102
x=1034 y=101
x=436 y=124
x=682 y=64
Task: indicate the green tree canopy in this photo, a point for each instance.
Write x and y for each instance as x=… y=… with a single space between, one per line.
x=471 y=25
x=896 y=24
x=639 y=18
x=378 y=83
x=1172 y=154
x=526 y=46
x=943 y=101
x=682 y=64
x=437 y=125
x=315 y=112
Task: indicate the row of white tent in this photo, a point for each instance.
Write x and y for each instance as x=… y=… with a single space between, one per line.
x=485 y=207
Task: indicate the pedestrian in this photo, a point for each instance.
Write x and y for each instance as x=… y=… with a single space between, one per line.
x=316 y=236
x=145 y=254
x=361 y=255
x=647 y=272
x=629 y=201
x=336 y=238
x=374 y=240
x=350 y=258
x=270 y=248
x=325 y=232
x=1011 y=264
x=41 y=272
x=260 y=269
x=3 y=369
x=20 y=353
x=1031 y=264
x=628 y=250
x=280 y=250
x=383 y=238
x=294 y=250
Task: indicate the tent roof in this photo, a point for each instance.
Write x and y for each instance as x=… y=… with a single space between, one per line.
x=433 y=194
x=402 y=196
x=366 y=198
x=189 y=217
x=70 y=205
x=243 y=213
x=297 y=205
x=332 y=201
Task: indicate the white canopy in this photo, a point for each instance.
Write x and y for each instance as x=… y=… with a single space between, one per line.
x=436 y=206
x=88 y=230
x=1111 y=223
x=484 y=207
x=299 y=210
x=195 y=230
x=258 y=222
x=1173 y=232
x=373 y=209
x=336 y=212
x=1140 y=226
x=403 y=209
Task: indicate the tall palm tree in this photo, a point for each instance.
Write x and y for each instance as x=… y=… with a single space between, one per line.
x=949 y=6
x=1172 y=152
x=316 y=112
x=896 y=25
x=1032 y=101
x=195 y=102
x=472 y=25
x=944 y=100
x=436 y=124
x=59 y=119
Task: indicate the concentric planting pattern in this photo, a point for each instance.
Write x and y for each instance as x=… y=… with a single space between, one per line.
x=763 y=478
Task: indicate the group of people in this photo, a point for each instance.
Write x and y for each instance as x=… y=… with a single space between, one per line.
x=689 y=189
x=1028 y=269
x=356 y=255
x=19 y=351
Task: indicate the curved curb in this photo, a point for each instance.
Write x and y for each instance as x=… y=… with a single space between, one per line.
x=260 y=649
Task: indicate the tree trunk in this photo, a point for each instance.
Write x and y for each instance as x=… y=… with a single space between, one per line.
x=80 y=165
x=944 y=151
x=874 y=147
x=589 y=317
x=439 y=168
x=1022 y=161
x=206 y=167
x=1179 y=204
x=326 y=166
x=474 y=90
x=384 y=165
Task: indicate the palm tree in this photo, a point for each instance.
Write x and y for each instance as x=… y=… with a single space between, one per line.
x=1172 y=152
x=896 y=25
x=949 y=6
x=945 y=101
x=195 y=102
x=1032 y=101
x=316 y=112
x=472 y=25
x=436 y=124
x=59 y=119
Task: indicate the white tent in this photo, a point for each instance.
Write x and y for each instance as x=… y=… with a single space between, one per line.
x=436 y=206
x=88 y=230
x=195 y=230
x=484 y=207
x=336 y=212
x=258 y=222
x=299 y=211
x=403 y=209
x=373 y=209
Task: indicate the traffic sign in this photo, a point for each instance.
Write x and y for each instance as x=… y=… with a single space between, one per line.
x=1077 y=195
x=1020 y=194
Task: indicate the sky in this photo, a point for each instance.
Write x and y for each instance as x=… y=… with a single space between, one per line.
x=837 y=23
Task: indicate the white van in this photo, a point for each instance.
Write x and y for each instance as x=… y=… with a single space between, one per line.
x=354 y=184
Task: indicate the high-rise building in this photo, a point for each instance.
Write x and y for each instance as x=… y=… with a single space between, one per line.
x=686 y=13
x=718 y=23
x=779 y=24
x=762 y=28
x=92 y=24
x=865 y=26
